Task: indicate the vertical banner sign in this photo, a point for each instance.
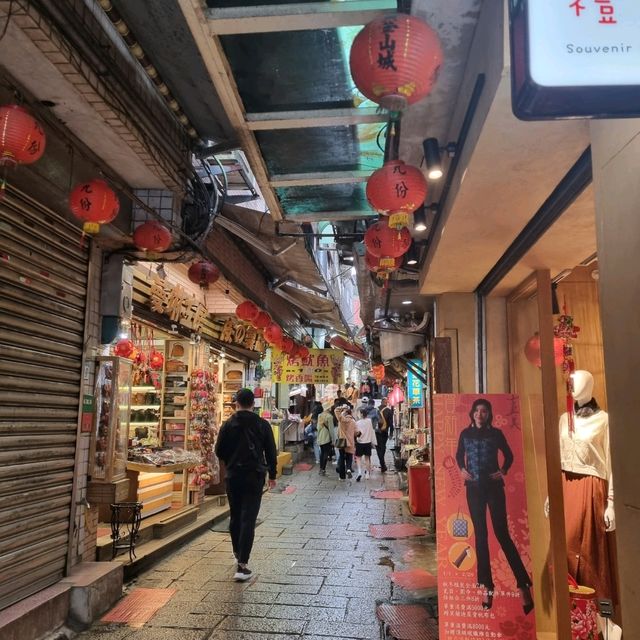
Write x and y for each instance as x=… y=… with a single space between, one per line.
x=86 y=424
x=321 y=366
x=484 y=562
x=415 y=388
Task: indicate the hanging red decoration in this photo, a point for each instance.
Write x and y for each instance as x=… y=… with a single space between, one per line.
x=395 y=60
x=374 y=264
x=273 y=334
x=203 y=273
x=288 y=346
x=302 y=352
x=378 y=372
x=261 y=321
x=22 y=139
x=152 y=236
x=532 y=350
x=396 y=190
x=124 y=348
x=396 y=396
x=156 y=360
x=94 y=203
x=247 y=311
x=383 y=242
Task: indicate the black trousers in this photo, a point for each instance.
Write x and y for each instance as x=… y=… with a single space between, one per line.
x=245 y=495
x=490 y=495
x=381 y=448
x=345 y=462
x=325 y=453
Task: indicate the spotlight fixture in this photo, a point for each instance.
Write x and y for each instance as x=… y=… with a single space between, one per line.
x=407 y=302
x=432 y=157
x=420 y=220
x=412 y=255
x=347 y=258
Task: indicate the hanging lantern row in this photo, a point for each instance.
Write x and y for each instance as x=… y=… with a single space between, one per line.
x=387 y=244
x=374 y=264
x=395 y=60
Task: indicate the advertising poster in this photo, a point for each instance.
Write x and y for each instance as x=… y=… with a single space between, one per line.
x=321 y=366
x=484 y=562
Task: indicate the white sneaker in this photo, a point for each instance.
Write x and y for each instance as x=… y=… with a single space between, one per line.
x=242 y=574
x=349 y=474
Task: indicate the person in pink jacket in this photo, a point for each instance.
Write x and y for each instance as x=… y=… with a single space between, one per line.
x=346 y=429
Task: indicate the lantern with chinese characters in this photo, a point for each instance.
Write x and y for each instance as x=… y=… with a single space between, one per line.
x=261 y=321
x=22 y=139
x=273 y=334
x=124 y=348
x=373 y=264
x=156 y=360
x=247 y=311
x=395 y=60
x=396 y=190
x=152 y=236
x=94 y=203
x=203 y=273
x=386 y=243
x=532 y=350
x=396 y=396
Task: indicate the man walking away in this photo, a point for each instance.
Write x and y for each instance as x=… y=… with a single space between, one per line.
x=247 y=448
x=387 y=414
x=380 y=428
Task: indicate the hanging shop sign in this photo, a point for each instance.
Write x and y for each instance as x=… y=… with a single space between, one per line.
x=243 y=335
x=175 y=303
x=415 y=387
x=579 y=58
x=321 y=366
x=484 y=573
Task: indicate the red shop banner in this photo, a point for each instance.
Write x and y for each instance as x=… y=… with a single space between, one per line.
x=484 y=561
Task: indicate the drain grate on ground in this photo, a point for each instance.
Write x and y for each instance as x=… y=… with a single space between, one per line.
x=139 y=606
x=414 y=579
x=387 y=494
x=394 y=531
x=407 y=622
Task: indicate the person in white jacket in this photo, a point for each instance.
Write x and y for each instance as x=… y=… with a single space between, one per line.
x=365 y=441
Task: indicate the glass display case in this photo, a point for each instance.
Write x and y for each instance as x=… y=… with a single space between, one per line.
x=111 y=422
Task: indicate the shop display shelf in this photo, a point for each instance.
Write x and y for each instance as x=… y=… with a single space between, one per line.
x=145 y=406
x=144 y=424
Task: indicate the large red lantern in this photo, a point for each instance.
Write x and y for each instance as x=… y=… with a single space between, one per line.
x=396 y=190
x=152 y=236
x=395 y=60
x=22 y=139
x=288 y=346
x=386 y=243
x=302 y=352
x=124 y=348
x=273 y=334
x=203 y=273
x=532 y=350
x=94 y=203
x=261 y=321
x=374 y=264
x=247 y=311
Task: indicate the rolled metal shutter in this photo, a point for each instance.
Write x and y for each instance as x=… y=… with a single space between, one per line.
x=43 y=288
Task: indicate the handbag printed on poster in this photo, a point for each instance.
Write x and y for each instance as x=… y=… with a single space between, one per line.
x=460 y=527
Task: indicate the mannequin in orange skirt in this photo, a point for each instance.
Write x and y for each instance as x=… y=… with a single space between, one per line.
x=588 y=490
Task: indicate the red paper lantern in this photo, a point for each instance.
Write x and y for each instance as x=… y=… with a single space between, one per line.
x=273 y=334
x=124 y=348
x=152 y=236
x=94 y=203
x=374 y=264
x=383 y=242
x=247 y=311
x=203 y=273
x=22 y=139
x=288 y=346
x=396 y=190
x=532 y=350
x=302 y=352
x=261 y=321
x=395 y=60
x=396 y=396
x=156 y=360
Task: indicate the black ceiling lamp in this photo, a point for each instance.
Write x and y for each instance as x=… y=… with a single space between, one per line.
x=420 y=220
x=412 y=256
x=432 y=158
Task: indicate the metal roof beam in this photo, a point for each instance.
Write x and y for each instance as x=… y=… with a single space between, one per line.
x=321 y=178
x=331 y=216
x=296 y=17
x=314 y=118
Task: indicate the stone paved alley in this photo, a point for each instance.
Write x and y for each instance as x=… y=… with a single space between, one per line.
x=320 y=574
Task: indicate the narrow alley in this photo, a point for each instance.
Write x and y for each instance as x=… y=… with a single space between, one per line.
x=320 y=573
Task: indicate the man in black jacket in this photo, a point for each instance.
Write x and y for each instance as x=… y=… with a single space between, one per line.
x=247 y=448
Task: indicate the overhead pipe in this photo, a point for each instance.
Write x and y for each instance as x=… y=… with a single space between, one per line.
x=247 y=236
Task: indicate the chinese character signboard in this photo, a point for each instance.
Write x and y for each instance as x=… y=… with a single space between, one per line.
x=575 y=58
x=244 y=335
x=321 y=366
x=415 y=388
x=173 y=301
x=484 y=563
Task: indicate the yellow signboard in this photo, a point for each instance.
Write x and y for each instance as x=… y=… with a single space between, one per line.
x=321 y=366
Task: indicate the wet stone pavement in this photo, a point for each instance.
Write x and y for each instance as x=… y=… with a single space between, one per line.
x=318 y=572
